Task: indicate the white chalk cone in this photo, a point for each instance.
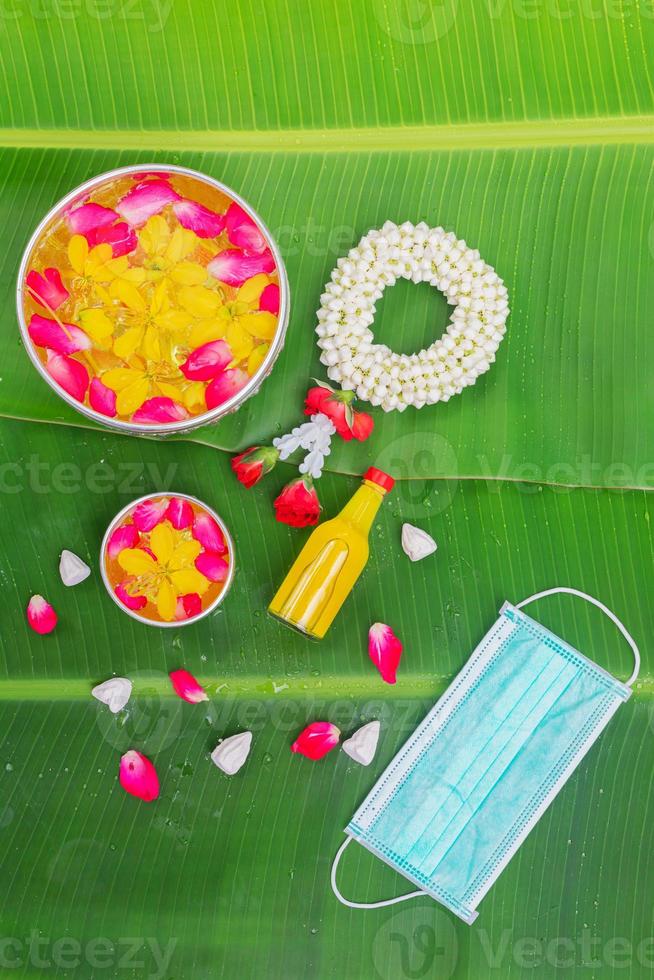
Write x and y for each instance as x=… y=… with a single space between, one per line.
x=72 y=569
x=363 y=744
x=417 y=544
x=230 y=754
x=115 y=693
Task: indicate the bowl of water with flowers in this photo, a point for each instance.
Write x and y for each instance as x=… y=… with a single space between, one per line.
x=167 y=559
x=153 y=300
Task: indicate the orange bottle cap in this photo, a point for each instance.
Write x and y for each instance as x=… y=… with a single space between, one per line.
x=379 y=477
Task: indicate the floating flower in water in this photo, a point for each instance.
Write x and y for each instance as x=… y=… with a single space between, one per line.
x=385 y=650
x=48 y=289
x=167 y=559
x=133 y=286
x=138 y=776
x=40 y=615
x=317 y=739
x=298 y=503
x=187 y=687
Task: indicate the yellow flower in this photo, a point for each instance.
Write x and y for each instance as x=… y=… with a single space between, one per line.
x=91 y=268
x=237 y=321
x=154 y=328
x=142 y=380
x=170 y=574
x=166 y=254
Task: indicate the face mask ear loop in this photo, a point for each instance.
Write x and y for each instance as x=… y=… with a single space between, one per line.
x=600 y=605
x=364 y=905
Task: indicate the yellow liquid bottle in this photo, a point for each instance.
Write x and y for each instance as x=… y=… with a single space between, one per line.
x=331 y=561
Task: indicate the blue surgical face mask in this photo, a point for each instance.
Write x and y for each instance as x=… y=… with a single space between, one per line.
x=459 y=798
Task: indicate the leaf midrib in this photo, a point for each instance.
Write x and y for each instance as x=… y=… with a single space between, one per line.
x=564 y=132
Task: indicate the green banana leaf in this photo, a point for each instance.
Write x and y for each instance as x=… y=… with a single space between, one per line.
x=526 y=128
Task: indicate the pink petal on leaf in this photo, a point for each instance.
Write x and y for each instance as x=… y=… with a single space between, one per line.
x=187 y=687
x=225 y=386
x=149 y=513
x=120 y=236
x=205 y=223
x=144 y=200
x=233 y=267
x=188 y=606
x=131 y=601
x=212 y=566
x=138 y=776
x=102 y=399
x=69 y=374
x=317 y=739
x=125 y=536
x=40 y=615
x=384 y=650
x=208 y=533
x=162 y=409
x=48 y=290
x=66 y=339
x=89 y=217
x=242 y=231
x=205 y=362
x=179 y=513
x=269 y=299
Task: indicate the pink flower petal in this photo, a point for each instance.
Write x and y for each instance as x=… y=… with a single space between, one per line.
x=66 y=339
x=40 y=615
x=188 y=606
x=269 y=299
x=224 y=386
x=317 y=739
x=102 y=399
x=242 y=230
x=384 y=650
x=212 y=566
x=208 y=533
x=131 y=601
x=120 y=236
x=187 y=687
x=138 y=776
x=179 y=513
x=125 y=536
x=144 y=200
x=148 y=551
x=233 y=267
x=69 y=375
x=89 y=217
x=47 y=289
x=156 y=410
x=205 y=223
x=149 y=513
x=205 y=362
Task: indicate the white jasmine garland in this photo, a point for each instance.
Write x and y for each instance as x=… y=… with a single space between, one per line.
x=454 y=361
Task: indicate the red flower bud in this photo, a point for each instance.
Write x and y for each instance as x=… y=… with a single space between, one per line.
x=337 y=406
x=251 y=465
x=298 y=503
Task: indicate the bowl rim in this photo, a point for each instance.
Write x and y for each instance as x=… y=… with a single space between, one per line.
x=174 y=623
x=194 y=422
